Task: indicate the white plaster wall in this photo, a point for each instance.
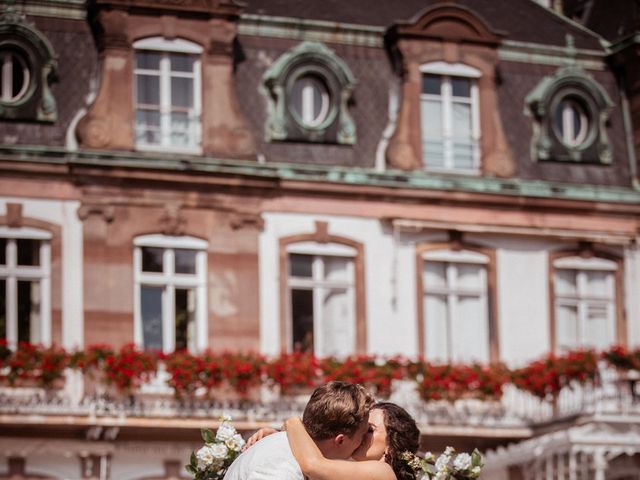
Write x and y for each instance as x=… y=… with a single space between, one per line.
x=135 y=460
x=64 y=214
x=522 y=297
x=389 y=331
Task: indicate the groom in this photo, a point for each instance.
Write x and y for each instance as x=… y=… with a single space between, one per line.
x=336 y=418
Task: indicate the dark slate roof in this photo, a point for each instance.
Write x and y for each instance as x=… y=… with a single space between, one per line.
x=521 y=20
x=613 y=20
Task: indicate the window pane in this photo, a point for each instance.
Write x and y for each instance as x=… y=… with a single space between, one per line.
x=300 y=265
x=3 y=251
x=338 y=324
x=310 y=99
x=336 y=269
x=181 y=63
x=180 y=129
x=151 y=312
x=185 y=261
x=433 y=152
x=463 y=155
x=469 y=331
x=148 y=89
x=469 y=275
x=566 y=282
x=435 y=274
x=148 y=126
x=28 y=252
x=148 y=60
x=599 y=284
x=461 y=87
x=567 y=326
x=29 y=312
x=152 y=259
x=302 y=320
x=599 y=329
x=185 y=316
x=436 y=335
x=431 y=84
x=431 y=118
x=461 y=120
x=3 y=308
x=182 y=92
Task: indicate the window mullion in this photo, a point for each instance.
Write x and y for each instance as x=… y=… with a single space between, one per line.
x=452 y=299
x=168 y=319
x=165 y=99
x=447 y=122
x=138 y=336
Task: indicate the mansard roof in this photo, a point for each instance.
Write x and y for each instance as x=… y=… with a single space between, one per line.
x=529 y=22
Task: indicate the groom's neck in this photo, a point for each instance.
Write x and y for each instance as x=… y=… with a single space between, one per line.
x=328 y=448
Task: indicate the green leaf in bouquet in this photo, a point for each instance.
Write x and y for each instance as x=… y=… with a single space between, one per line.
x=207 y=435
x=193 y=460
x=191 y=469
x=476 y=458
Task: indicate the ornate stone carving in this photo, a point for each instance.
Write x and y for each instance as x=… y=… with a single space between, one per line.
x=106 y=212
x=172 y=221
x=238 y=220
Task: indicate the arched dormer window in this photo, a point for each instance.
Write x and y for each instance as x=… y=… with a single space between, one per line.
x=167 y=93
x=170 y=274
x=450 y=117
x=309 y=89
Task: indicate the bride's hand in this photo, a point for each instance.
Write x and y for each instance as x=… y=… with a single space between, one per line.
x=259 y=435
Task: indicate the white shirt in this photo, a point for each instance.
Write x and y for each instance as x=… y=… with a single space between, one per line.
x=269 y=459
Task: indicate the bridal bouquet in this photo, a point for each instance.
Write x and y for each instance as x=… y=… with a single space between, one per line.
x=219 y=451
x=447 y=466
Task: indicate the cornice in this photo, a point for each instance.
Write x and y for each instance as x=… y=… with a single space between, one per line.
x=92 y=166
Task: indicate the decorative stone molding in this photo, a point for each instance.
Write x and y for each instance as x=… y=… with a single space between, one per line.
x=117 y=24
x=239 y=220
x=14 y=215
x=310 y=59
x=451 y=33
x=28 y=45
x=573 y=83
x=172 y=221
x=106 y=212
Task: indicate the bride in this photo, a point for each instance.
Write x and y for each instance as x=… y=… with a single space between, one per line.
x=391 y=431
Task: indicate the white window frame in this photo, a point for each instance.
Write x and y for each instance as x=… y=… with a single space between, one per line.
x=446 y=71
x=451 y=259
x=582 y=300
x=318 y=285
x=7 y=67
x=170 y=281
x=12 y=273
x=166 y=48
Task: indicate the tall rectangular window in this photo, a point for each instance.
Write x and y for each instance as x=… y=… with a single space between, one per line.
x=322 y=304
x=25 y=288
x=167 y=95
x=170 y=293
x=455 y=307
x=449 y=112
x=585 y=302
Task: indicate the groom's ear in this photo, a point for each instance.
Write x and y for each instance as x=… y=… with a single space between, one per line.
x=339 y=440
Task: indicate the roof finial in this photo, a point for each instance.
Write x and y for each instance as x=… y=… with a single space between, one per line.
x=570 y=51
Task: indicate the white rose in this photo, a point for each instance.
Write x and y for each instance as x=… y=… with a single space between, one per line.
x=205 y=457
x=225 y=432
x=235 y=443
x=442 y=462
x=462 y=461
x=449 y=451
x=441 y=476
x=219 y=450
x=429 y=457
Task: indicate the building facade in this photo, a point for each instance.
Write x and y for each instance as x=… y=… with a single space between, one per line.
x=456 y=181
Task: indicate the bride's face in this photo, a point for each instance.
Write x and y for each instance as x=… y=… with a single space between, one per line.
x=374 y=443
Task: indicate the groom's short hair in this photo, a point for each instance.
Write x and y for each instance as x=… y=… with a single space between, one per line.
x=335 y=408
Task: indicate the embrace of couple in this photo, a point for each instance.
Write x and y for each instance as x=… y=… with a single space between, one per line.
x=340 y=423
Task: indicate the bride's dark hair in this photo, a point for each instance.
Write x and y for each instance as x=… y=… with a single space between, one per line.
x=402 y=435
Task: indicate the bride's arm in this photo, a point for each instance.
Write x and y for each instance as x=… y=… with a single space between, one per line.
x=315 y=466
